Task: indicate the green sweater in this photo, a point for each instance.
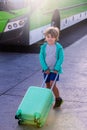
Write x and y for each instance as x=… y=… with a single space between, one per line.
x=59 y=57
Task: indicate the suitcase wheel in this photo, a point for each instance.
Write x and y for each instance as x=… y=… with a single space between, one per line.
x=17 y=116
x=20 y=122
x=39 y=125
x=37 y=117
x=37 y=120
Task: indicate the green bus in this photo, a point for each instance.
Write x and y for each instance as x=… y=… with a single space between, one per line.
x=23 y=21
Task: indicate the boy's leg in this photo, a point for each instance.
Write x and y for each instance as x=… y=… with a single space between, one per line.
x=55 y=90
x=48 y=85
x=47 y=80
x=58 y=102
x=58 y=99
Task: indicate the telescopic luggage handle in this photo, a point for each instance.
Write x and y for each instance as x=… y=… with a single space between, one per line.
x=46 y=79
x=54 y=81
x=42 y=86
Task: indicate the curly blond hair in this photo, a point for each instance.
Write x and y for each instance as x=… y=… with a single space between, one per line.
x=53 y=31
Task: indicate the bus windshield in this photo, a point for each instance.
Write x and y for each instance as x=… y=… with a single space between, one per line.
x=6 y=5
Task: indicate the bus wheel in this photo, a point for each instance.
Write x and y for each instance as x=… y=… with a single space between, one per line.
x=56 y=19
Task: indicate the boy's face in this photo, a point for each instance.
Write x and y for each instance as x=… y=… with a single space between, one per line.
x=51 y=40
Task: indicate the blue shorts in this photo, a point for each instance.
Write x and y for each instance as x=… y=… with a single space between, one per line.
x=51 y=77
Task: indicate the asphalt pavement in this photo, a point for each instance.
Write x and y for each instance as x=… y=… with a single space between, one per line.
x=20 y=71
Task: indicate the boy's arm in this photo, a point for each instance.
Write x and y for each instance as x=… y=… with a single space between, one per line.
x=42 y=59
x=60 y=60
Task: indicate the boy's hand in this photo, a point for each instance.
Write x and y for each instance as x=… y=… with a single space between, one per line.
x=47 y=72
x=55 y=71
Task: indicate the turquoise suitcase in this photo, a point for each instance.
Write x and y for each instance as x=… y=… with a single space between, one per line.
x=35 y=106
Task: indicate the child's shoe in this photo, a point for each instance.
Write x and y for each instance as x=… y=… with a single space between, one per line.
x=58 y=102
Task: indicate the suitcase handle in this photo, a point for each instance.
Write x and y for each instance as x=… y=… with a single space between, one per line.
x=46 y=79
x=54 y=81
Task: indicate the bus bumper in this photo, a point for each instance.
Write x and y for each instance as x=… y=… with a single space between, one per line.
x=17 y=37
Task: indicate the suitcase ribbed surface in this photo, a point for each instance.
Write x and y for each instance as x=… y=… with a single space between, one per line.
x=35 y=105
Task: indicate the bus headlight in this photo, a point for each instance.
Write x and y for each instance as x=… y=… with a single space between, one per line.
x=21 y=22
x=15 y=25
x=12 y=25
x=9 y=27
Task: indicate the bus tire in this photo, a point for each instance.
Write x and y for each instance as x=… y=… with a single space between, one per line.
x=24 y=39
x=56 y=19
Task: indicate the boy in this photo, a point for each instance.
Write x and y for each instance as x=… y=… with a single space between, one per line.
x=51 y=59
